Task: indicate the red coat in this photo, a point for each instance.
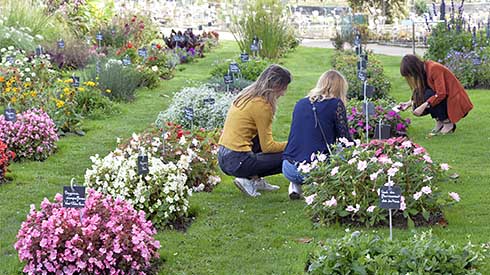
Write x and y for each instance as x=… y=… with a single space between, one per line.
x=445 y=84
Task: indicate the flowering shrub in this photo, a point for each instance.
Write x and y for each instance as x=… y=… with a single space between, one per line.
x=356 y=119
x=471 y=67
x=346 y=188
x=5 y=157
x=206 y=115
x=107 y=236
x=162 y=193
x=361 y=253
x=32 y=136
x=346 y=63
x=171 y=142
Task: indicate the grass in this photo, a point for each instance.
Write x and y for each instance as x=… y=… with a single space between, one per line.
x=234 y=234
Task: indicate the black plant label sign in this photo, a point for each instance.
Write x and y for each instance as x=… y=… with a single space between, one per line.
x=99 y=37
x=143 y=165
x=362 y=75
x=39 y=50
x=142 y=52
x=76 y=81
x=234 y=68
x=358 y=50
x=61 y=44
x=369 y=91
x=228 y=78
x=390 y=197
x=126 y=61
x=209 y=101
x=370 y=108
x=188 y=113
x=254 y=47
x=10 y=114
x=10 y=59
x=357 y=40
x=244 y=57
x=361 y=64
x=74 y=196
x=382 y=132
x=199 y=27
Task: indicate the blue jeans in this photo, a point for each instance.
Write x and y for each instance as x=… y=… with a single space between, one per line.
x=290 y=171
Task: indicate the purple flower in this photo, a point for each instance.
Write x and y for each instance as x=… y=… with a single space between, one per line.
x=392 y=113
x=400 y=127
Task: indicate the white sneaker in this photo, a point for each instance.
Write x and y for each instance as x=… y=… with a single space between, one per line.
x=295 y=191
x=262 y=184
x=246 y=186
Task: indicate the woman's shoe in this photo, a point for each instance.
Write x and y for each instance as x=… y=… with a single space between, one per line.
x=448 y=128
x=438 y=127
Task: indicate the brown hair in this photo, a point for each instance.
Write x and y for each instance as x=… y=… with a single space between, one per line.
x=331 y=84
x=413 y=69
x=271 y=81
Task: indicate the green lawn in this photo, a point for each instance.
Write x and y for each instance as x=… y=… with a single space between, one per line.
x=234 y=234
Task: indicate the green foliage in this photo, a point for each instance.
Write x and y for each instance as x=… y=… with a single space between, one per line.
x=441 y=41
x=424 y=254
x=269 y=21
x=238 y=84
x=250 y=70
x=346 y=63
x=421 y=7
x=392 y=9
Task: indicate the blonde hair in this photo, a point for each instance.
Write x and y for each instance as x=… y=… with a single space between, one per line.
x=331 y=84
x=271 y=81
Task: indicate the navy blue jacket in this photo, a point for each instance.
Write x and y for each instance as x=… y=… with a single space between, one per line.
x=304 y=138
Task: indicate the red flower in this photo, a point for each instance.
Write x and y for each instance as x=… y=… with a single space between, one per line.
x=180 y=133
x=170 y=124
x=159 y=46
x=129 y=45
x=187 y=133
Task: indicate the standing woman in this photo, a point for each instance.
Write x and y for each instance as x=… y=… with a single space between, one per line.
x=436 y=91
x=247 y=149
x=318 y=121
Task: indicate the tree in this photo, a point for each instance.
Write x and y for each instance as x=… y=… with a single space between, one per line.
x=389 y=8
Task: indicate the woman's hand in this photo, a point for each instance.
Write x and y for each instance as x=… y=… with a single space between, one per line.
x=420 y=110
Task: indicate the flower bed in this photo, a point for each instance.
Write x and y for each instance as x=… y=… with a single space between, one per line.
x=356 y=119
x=346 y=188
x=162 y=193
x=360 y=253
x=107 y=236
x=32 y=136
x=199 y=148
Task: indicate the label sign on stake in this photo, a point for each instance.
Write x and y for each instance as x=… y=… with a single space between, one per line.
x=370 y=108
x=61 y=44
x=10 y=114
x=228 y=78
x=188 y=113
x=361 y=64
x=234 y=68
x=390 y=197
x=244 y=57
x=10 y=59
x=73 y=196
x=99 y=36
x=362 y=75
x=76 y=81
x=142 y=52
x=209 y=101
x=143 y=165
x=357 y=40
x=382 y=131
x=358 y=50
x=126 y=60
x=39 y=50
x=369 y=91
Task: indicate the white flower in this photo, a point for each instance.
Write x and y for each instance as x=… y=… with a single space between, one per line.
x=362 y=165
x=426 y=190
x=417 y=196
x=350 y=208
x=322 y=157
x=370 y=209
x=3 y=50
x=304 y=168
x=373 y=176
x=444 y=166
x=10 y=48
x=354 y=193
x=392 y=171
x=334 y=171
x=195 y=142
x=182 y=140
x=454 y=196
x=309 y=200
x=407 y=144
x=27 y=70
x=397 y=164
x=330 y=203
x=28 y=79
x=427 y=178
x=154 y=68
x=352 y=161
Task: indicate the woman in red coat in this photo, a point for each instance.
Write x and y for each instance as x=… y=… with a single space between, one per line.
x=436 y=91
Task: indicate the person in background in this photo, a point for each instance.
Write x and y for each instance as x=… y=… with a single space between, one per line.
x=436 y=91
x=247 y=149
x=318 y=121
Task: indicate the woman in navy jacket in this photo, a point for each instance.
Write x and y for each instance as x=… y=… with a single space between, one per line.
x=318 y=119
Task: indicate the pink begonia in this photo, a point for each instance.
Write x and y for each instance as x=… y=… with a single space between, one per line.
x=392 y=171
x=334 y=171
x=330 y=203
x=454 y=196
x=403 y=205
x=426 y=190
x=427 y=159
x=417 y=195
x=444 y=166
x=351 y=208
x=304 y=168
x=383 y=159
x=370 y=209
x=419 y=150
x=54 y=227
x=32 y=136
x=373 y=176
x=407 y=144
x=322 y=157
x=309 y=200
x=362 y=165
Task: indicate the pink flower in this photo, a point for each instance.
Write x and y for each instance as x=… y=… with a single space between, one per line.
x=330 y=203
x=427 y=159
x=351 y=208
x=426 y=190
x=403 y=205
x=418 y=151
x=417 y=196
x=352 y=161
x=373 y=176
x=370 y=209
x=392 y=171
x=454 y=196
x=334 y=171
x=309 y=200
x=407 y=144
x=444 y=166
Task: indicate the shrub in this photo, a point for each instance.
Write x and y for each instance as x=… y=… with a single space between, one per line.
x=441 y=41
x=345 y=189
x=75 y=54
x=90 y=102
x=32 y=136
x=361 y=253
x=162 y=193
x=206 y=115
x=118 y=82
x=269 y=21
x=346 y=63
x=5 y=157
x=172 y=142
x=356 y=119
x=471 y=67
x=238 y=84
x=107 y=236
x=250 y=70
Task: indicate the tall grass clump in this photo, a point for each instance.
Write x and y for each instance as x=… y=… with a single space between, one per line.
x=268 y=20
